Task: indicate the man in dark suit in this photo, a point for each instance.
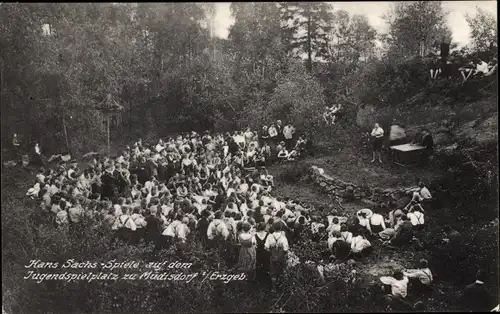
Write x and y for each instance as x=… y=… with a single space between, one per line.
x=153 y=229
x=475 y=297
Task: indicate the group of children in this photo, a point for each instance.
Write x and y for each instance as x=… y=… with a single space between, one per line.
x=202 y=186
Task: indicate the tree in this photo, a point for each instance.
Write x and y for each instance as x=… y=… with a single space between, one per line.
x=298 y=98
x=483 y=30
x=350 y=38
x=308 y=23
x=416 y=27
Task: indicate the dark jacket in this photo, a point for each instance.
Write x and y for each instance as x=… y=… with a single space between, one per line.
x=476 y=298
x=153 y=228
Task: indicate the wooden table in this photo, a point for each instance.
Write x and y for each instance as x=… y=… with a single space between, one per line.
x=406 y=154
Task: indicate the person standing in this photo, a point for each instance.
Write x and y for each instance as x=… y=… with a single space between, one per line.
x=277 y=244
x=288 y=132
x=279 y=129
x=16 y=146
x=247 y=254
x=263 y=257
x=263 y=136
x=476 y=297
x=378 y=140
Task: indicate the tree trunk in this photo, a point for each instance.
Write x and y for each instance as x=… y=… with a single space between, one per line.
x=65 y=132
x=107 y=127
x=309 y=45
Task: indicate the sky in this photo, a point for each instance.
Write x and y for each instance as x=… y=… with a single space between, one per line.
x=374 y=11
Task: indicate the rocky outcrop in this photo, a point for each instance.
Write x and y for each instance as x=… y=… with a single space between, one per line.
x=372 y=197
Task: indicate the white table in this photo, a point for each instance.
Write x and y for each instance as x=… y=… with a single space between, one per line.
x=406 y=154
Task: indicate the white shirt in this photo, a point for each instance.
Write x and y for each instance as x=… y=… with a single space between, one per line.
x=398 y=287
x=359 y=243
x=377 y=220
x=62 y=217
x=331 y=241
x=159 y=148
x=239 y=139
x=424 y=275
x=40 y=177
x=416 y=218
x=378 y=132
x=177 y=229
x=424 y=192
x=315 y=227
x=124 y=221
x=139 y=221
x=217 y=228
x=346 y=236
x=482 y=67
x=277 y=239
x=288 y=132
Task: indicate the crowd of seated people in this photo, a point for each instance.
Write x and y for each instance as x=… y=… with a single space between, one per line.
x=477 y=67
x=467 y=67
x=204 y=187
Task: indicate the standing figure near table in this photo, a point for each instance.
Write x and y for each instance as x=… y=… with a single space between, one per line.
x=397 y=135
x=378 y=140
x=424 y=138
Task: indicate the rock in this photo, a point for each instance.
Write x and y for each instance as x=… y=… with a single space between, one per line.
x=323 y=184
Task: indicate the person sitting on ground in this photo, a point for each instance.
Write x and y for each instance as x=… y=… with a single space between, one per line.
x=327 y=115
x=421 y=194
x=467 y=70
x=300 y=146
x=283 y=153
x=333 y=225
x=398 y=290
x=403 y=233
x=481 y=67
x=360 y=246
x=435 y=69
x=492 y=65
x=476 y=297
x=345 y=235
x=377 y=224
x=316 y=225
x=364 y=215
x=421 y=278
x=415 y=213
x=333 y=112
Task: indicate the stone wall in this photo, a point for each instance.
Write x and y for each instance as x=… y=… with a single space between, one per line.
x=371 y=197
